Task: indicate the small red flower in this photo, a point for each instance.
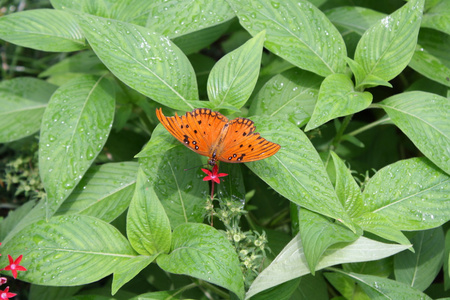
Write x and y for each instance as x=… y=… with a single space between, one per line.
x=6 y=294
x=14 y=266
x=214 y=175
x=3 y=280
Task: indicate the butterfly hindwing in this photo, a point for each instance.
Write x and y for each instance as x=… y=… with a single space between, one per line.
x=243 y=144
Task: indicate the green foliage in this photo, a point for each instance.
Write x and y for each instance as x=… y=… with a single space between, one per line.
x=111 y=197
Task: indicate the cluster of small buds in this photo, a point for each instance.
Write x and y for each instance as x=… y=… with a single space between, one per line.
x=14 y=266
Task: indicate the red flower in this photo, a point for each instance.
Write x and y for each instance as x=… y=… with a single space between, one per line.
x=6 y=294
x=14 y=266
x=214 y=175
x=3 y=280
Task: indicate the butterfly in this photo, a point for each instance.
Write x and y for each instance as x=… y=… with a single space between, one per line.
x=211 y=134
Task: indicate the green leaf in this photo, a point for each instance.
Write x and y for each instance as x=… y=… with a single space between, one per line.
x=128 y=270
x=296 y=170
x=423 y=117
x=65 y=250
x=419 y=269
x=291 y=262
x=353 y=18
x=74 y=129
x=296 y=31
x=164 y=295
x=148 y=227
x=23 y=101
x=14 y=217
x=233 y=78
x=85 y=62
x=319 y=233
x=53 y=293
x=144 y=60
x=160 y=141
x=345 y=285
x=347 y=190
x=387 y=47
x=412 y=194
x=383 y=288
x=42 y=29
x=447 y=261
x=182 y=192
x=295 y=92
x=104 y=192
x=382 y=226
x=364 y=80
x=438 y=17
x=201 y=251
x=337 y=98
x=431 y=57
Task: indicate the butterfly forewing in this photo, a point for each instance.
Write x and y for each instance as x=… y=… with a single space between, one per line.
x=242 y=144
x=198 y=130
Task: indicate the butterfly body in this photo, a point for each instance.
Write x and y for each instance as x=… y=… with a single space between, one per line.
x=211 y=134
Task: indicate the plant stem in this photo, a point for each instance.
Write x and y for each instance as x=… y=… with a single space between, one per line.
x=383 y=120
x=340 y=133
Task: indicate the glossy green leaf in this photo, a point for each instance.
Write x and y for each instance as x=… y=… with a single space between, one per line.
x=353 y=18
x=74 y=129
x=387 y=47
x=65 y=250
x=296 y=170
x=319 y=233
x=382 y=226
x=423 y=117
x=104 y=192
x=201 y=251
x=383 y=288
x=148 y=227
x=160 y=141
x=164 y=295
x=345 y=286
x=42 y=29
x=23 y=101
x=337 y=98
x=438 y=16
x=14 y=217
x=291 y=94
x=296 y=31
x=291 y=262
x=431 y=57
x=419 y=269
x=347 y=190
x=128 y=270
x=85 y=62
x=144 y=60
x=233 y=78
x=182 y=192
x=412 y=194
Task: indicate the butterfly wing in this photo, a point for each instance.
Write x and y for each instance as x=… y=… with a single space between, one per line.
x=242 y=144
x=198 y=130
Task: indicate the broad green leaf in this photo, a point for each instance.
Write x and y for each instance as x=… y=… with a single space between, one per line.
x=291 y=262
x=291 y=95
x=431 y=57
x=423 y=117
x=318 y=233
x=362 y=79
x=383 y=288
x=182 y=192
x=74 y=129
x=85 y=62
x=296 y=170
x=337 y=98
x=412 y=194
x=104 y=192
x=438 y=17
x=128 y=270
x=387 y=47
x=99 y=8
x=23 y=101
x=164 y=295
x=42 y=29
x=144 y=60
x=231 y=187
x=296 y=31
x=345 y=285
x=382 y=226
x=160 y=141
x=148 y=227
x=347 y=190
x=65 y=250
x=52 y=293
x=355 y=19
x=201 y=251
x=233 y=78
x=14 y=217
x=419 y=269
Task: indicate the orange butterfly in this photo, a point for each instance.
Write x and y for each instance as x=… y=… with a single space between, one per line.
x=211 y=134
